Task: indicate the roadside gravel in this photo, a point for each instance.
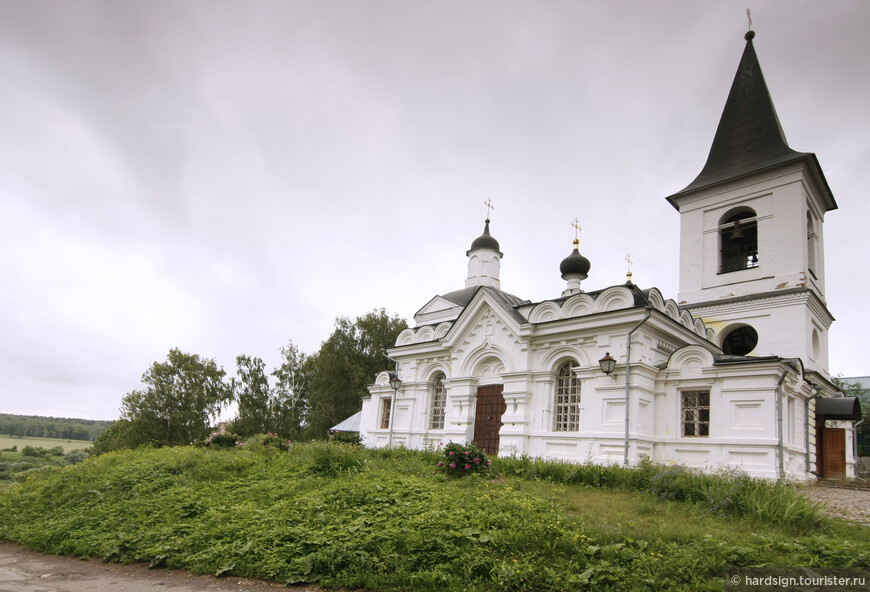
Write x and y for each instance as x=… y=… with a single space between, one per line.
x=26 y=571
x=841 y=502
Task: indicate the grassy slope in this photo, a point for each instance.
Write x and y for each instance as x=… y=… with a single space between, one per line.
x=380 y=520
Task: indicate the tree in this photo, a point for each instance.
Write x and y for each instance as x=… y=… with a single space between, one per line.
x=253 y=394
x=293 y=384
x=280 y=409
x=118 y=437
x=346 y=364
x=182 y=398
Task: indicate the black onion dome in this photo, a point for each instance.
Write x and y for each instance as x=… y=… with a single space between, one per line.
x=575 y=263
x=485 y=241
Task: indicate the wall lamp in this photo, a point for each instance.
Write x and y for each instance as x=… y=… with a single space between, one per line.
x=395 y=383
x=608 y=365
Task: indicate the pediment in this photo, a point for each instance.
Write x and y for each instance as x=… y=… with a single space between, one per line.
x=483 y=323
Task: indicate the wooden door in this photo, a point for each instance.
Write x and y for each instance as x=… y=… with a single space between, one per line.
x=834 y=453
x=487 y=417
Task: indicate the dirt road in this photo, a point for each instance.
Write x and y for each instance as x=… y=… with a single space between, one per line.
x=26 y=571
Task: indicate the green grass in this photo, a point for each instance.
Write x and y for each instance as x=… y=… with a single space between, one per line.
x=382 y=520
x=67 y=445
x=20 y=457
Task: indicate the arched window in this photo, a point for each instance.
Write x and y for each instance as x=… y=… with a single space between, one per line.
x=566 y=416
x=812 y=239
x=738 y=240
x=437 y=402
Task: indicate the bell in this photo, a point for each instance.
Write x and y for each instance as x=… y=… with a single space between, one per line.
x=736 y=234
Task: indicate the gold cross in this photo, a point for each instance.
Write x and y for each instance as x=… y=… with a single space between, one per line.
x=629 y=260
x=489 y=206
x=577 y=228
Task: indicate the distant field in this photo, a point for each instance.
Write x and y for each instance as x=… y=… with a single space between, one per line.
x=10 y=441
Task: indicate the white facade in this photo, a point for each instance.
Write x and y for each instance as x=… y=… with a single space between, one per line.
x=727 y=375
x=488 y=344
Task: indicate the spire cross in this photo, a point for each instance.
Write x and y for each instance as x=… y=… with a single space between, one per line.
x=629 y=261
x=749 y=18
x=489 y=206
x=577 y=228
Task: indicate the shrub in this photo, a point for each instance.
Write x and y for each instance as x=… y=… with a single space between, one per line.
x=353 y=438
x=774 y=502
x=273 y=442
x=459 y=460
x=225 y=440
x=33 y=451
x=675 y=483
x=332 y=458
x=76 y=456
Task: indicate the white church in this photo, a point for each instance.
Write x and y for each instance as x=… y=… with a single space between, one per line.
x=734 y=372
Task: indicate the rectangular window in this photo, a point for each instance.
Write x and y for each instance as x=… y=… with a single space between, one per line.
x=696 y=413
x=386 y=404
x=567 y=403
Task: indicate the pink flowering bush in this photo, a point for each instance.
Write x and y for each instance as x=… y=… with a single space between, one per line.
x=460 y=460
x=274 y=443
x=223 y=440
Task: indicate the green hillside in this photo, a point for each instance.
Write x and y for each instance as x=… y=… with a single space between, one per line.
x=385 y=520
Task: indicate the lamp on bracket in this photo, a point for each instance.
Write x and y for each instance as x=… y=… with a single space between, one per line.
x=608 y=365
x=395 y=383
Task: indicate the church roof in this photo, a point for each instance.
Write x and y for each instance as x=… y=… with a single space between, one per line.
x=461 y=297
x=749 y=137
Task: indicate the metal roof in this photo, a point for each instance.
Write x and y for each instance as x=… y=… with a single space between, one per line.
x=351 y=424
x=749 y=137
x=839 y=408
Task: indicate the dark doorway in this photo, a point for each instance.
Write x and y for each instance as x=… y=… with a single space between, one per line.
x=487 y=417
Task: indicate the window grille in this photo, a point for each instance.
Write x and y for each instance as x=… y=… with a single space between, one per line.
x=567 y=403
x=696 y=413
x=438 y=401
x=385 y=413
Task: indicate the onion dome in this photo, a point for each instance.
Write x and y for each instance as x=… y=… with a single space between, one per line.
x=485 y=241
x=575 y=263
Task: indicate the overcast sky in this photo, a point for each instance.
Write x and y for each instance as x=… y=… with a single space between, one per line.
x=223 y=177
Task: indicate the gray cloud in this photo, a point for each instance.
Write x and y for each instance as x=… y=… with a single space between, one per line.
x=224 y=177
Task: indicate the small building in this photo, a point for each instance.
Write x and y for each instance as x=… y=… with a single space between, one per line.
x=733 y=372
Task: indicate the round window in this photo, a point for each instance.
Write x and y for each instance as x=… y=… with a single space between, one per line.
x=740 y=341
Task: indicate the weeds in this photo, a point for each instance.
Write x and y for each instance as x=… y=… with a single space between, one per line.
x=347 y=516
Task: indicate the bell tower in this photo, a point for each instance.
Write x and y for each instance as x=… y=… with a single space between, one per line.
x=751 y=233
